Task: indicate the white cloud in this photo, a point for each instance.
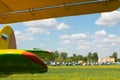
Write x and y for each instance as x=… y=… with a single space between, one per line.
x=100 y=41
x=20 y=37
x=40 y=26
x=101 y=33
x=74 y=36
x=65 y=36
x=62 y=26
x=112 y=36
x=41 y=23
x=77 y=40
x=81 y=41
x=78 y=36
x=104 y=39
x=99 y=46
x=84 y=44
x=113 y=44
x=47 y=23
x=100 y=36
x=18 y=33
x=97 y=41
x=109 y=19
x=82 y=47
x=42 y=45
x=44 y=26
x=36 y=30
x=66 y=42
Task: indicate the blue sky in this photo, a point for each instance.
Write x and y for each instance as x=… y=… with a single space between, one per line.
x=74 y=35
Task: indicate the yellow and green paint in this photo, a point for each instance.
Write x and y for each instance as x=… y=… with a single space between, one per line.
x=13 y=61
x=7 y=38
x=18 y=61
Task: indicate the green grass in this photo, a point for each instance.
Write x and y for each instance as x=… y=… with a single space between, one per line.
x=72 y=73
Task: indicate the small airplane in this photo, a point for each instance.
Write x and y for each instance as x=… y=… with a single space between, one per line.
x=13 y=61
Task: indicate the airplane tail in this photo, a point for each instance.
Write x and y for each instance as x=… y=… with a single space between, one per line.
x=7 y=38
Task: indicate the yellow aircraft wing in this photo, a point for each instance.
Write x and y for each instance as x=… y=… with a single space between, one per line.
x=25 y=10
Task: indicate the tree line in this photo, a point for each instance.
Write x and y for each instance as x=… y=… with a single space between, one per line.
x=63 y=57
x=90 y=58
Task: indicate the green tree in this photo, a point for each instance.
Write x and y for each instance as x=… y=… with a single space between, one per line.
x=89 y=57
x=63 y=55
x=36 y=49
x=85 y=59
x=114 y=55
x=59 y=59
x=54 y=55
x=75 y=58
x=80 y=57
x=68 y=60
x=95 y=57
x=118 y=60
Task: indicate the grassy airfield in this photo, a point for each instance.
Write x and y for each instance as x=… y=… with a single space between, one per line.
x=73 y=73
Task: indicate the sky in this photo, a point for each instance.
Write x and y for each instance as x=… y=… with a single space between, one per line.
x=74 y=34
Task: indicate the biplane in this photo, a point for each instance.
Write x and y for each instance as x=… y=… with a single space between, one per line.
x=14 y=61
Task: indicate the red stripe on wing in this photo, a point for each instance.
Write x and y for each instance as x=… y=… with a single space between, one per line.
x=34 y=58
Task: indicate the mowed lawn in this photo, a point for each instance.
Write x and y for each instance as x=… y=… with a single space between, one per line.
x=73 y=73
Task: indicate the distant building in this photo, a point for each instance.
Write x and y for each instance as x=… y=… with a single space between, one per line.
x=105 y=60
